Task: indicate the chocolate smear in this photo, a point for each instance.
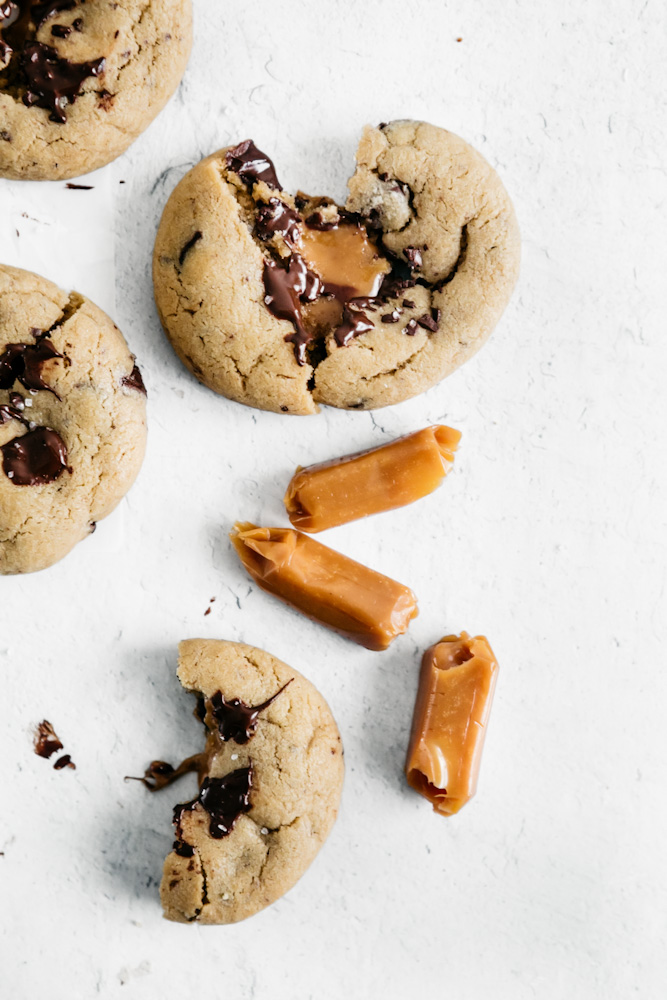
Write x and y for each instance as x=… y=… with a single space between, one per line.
x=355 y=321
x=235 y=720
x=46 y=741
x=37 y=458
x=23 y=363
x=251 y=164
x=79 y=187
x=224 y=799
x=277 y=218
x=285 y=289
x=188 y=247
x=134 y=380
x=159 y=773
x=54 y=82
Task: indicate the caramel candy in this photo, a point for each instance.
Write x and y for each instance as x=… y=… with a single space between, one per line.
x=326 y=586
x=393 y=475
x=456 y=685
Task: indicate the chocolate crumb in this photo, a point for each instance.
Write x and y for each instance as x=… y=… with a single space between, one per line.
x=207 y=612
x=79 y=187
x=64 y=761
x=46 y=741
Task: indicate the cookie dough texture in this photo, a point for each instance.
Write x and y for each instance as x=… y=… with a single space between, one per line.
x=146 y=44
x=427 y=187
x=101 y=420
x=297 y=761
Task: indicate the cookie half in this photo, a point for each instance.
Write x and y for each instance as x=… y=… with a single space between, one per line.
x=270 y=783
x=72 y=420
x=81 y=79
x=284 y=302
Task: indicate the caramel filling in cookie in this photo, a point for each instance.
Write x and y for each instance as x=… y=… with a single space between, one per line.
x=456 y=686
x=325 y=270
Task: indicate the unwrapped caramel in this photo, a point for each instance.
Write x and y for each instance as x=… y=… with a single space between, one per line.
x=393 y=475
x=456 y=685
x=326 y=586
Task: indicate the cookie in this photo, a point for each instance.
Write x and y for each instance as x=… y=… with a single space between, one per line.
x=72 y=420
x=81 y=79
x=285 y=302
x=270 y=781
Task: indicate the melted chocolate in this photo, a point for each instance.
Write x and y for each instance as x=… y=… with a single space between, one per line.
x=251 y=164
x=235 y=720
x=183 y=850
x=39 y=457
x=159 y=773
x=46 y=741
x=134 y=380
x=64 y=761
x=188 y=247
x=285 y=289
x=23 y=363
x=277 y=218
x=355 y=321
x=41 y=12
x=54 y=82
x=224 y=799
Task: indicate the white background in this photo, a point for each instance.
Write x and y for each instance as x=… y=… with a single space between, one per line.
x=548 y=537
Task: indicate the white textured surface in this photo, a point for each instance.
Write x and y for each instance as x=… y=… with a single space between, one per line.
x=549 y=536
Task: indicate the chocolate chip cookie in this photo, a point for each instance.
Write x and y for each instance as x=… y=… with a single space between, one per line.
x=270 y=780
x=81 y=79
x=284 y=302
x=72 y=420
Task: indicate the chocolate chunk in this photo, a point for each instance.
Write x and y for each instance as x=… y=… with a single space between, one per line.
x=251 y=164
x=235 y=720
x=431 y=322
x=183 y=850
x=134 y=380
x=46 y=741
x=399 y=278
x=277 y=218
x=392 y=317
x=61 y=30
x=411 y=328
x=408 y=303
x=224 y=799
x=53 y=82
x=39 y=457
x=23 y=363
x=414 y=257
x=285 y=289
x=355 y=321
x=188 y=246
x=316 y=221
x=64 y=761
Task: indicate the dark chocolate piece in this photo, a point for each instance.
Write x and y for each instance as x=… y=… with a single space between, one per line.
x=61 y=30
x=64 y=761
x=53 y=82
x=188 y=246
x=392 y=317
x=182 y=849
x=159 y=773
x=411 y=328
x=408 y=304
x=46 y=741
x=134 y=380
x=224 y=799
x=316 y=221
x=23 y=363
x=277 y=218
x=355 y=321
x=431 y=322
x=251 y=164
x=235 y=720
x=414 y=257
x=285 y=289
x=39 y=457
x=41 y=12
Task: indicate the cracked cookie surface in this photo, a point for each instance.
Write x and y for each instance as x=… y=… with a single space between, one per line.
x=72 y=420
x=81 y=79
x=284 y=773
x=430 y=208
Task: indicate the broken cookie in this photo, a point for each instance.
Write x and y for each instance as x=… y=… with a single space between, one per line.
x=284 y=302
x=72 y=420
x=81 y=79
x=270 y=779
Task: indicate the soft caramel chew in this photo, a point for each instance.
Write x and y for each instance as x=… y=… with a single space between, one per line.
x=456 y=685
x=326 y=586
x=393 y=475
